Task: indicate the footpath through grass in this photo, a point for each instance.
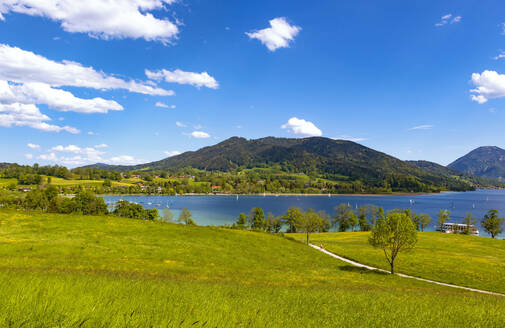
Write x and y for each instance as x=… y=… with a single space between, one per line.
x=468 y=261
x=82 y=271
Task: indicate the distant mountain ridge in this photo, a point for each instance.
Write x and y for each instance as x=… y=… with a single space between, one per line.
x=445 y=171
x=337 y=160
x=488 y=162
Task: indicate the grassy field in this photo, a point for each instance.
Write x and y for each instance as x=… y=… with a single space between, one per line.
x=6 y=182
x=83 y=271
x=458 y=259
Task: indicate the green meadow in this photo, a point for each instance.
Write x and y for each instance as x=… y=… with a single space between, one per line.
x=84 y=271
x=469 y=261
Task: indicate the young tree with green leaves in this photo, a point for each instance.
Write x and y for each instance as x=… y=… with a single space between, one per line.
x=468 y=221
x=310 y=222
x=186 y=217
x=362 y=218
x=273 y=223
x=167 y=216
x=424 y=221
x=394 y=234
x=343 y=216
x=256 y=218
x=292 y=215
x=492 y=223
x=241 y=221
x=442 y=217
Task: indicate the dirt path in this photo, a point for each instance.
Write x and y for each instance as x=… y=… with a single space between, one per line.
x=404 y=275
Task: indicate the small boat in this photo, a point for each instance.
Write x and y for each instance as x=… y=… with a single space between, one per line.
x=237 y=197
x=329 y=195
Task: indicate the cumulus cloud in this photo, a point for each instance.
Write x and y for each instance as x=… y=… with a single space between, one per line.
x=29 y=115
x=200 y=135
x=489 y=85
x=448 y=19
x=422 y=127
x=33 y=146
x=28 y=156
x=76 y=155
x=181 y=125
x=61 y=100
x=302 y=127
x=18 y=65
x=196 y=79
x=278 y=35
x=172 y=153
x=111 y=19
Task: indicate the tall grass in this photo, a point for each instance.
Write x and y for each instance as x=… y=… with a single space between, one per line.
x=83 y=271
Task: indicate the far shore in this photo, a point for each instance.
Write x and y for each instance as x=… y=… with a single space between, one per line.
x=292 y=194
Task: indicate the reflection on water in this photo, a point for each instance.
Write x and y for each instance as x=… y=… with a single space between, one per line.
x=221 y=210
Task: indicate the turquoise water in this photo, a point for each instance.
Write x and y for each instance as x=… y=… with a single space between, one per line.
x=221 y=210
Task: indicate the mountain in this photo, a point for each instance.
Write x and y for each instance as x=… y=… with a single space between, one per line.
x=335 y=160
x=445 y=171
x=488 y=162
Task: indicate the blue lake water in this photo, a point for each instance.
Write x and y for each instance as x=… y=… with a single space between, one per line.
x=221 y=210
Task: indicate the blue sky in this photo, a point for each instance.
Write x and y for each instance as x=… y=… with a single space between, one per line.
x=80 y=84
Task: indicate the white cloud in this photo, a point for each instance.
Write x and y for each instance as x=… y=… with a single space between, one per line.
x=172 y=153
x=501 y=55
x=196 y=79
x=446 y=19
x=41 y=93
x=84 y=155
x=91 y=133
x=302 y=127
x=353 y=139
x=422 y=127
x=21 y=66
x=197 y=127
x=181 y=125
x=489 y=85
x=163 y=105
x=111 y=19
x=200 y=135
x=278 y=35
x=33 y=146
x=124 y=160
x=29 y=115
x=28 y=156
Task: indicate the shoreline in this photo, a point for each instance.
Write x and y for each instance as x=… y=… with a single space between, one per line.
x=402 y=194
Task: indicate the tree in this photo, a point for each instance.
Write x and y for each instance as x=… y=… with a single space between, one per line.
x=468 y=221
x=256 y=218
x=241 y=221
x=352 y=220
x=186 y=217
x=443 y=216
x=394 y=234
x=273 y=223
x=291 y=216
x=362 y=218
x=344 y=217
x=167 y=215
x=310 y=222
x=492 y=223
x=424 y=221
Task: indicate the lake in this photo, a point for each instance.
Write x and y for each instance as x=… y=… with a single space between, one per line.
x=221 y=210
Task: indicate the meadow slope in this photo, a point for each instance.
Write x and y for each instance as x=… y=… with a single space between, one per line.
x=84 y=271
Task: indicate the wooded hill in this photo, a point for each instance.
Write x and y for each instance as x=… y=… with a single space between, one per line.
x=316 y=157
